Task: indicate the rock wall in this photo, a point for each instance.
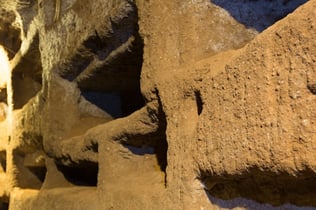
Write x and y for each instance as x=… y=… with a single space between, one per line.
x=125 y=104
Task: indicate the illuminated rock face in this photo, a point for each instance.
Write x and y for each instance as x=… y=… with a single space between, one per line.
x=160 y=105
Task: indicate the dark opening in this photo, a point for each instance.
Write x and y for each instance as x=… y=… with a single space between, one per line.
x=3 y=95
x=3 y=160
x=39 y=172
x=115 y=103
x=263 y=187
x=115 y=87
x=4 y=205
x=84 y=174
x=131 y=101
x=109 y=102
x=258 y=14
x=312 y=88
x=199 y=102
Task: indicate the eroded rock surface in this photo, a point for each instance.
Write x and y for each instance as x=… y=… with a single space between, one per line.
x=159 y=105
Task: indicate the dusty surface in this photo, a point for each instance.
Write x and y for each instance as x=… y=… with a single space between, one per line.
x=159 y=105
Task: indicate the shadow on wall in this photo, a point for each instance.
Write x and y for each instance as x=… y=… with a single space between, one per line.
x=269 y=188
x=258 y=14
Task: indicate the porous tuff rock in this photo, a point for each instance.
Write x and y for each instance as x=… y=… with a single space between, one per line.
x=227 y=121
x=248 y=116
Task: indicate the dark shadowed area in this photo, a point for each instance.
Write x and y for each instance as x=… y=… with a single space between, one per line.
x=258 y=14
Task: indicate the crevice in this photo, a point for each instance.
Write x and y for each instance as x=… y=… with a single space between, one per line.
x=94 y=147
x=3 y=95
x=161 y=147
x=161 y=153
x=275 y=188
x=199 y=101
x=3 y=161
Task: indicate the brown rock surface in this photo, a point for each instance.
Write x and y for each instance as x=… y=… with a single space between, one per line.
x=249 y=121
x=160 y=105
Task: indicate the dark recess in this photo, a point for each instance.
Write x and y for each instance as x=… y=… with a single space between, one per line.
x=39 y=172
x=3 y=95
x=3 y=160
x=312 y=88
x=83 y=174
x=115 y=87
x=4 y=205
x=199 y=101
x=263 y=187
